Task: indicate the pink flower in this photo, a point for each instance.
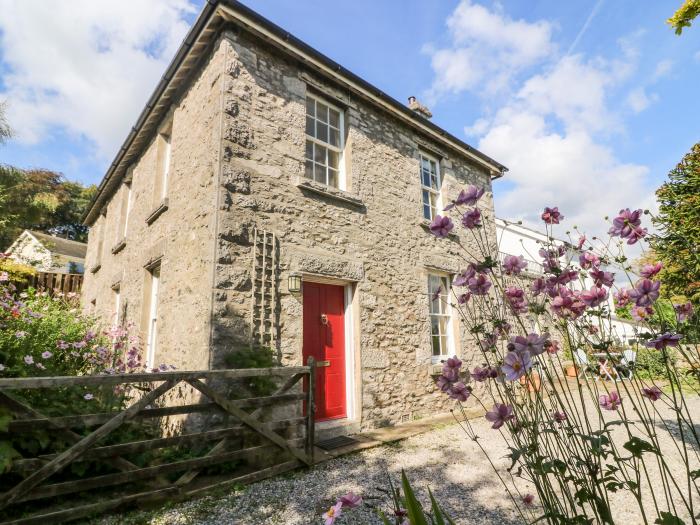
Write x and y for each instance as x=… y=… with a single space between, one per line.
x=499 y=414
x=683 y=311
x=528 y=499
x=29 y=359
x=516 y=299
x=650 y=270
x=594 y=297
x=602 y=278
x=463 y=278
x=515 y=365
x=513 y=265
x=4 y=277
x=588 y=260
x=481 y=374
x=21 y=334
x=552 y=347
x=46 y=355
x=610 y=401
x=552 y=215
x=532 y=343
x=664 y=340
x=559 y=416
x=62 y=345
x=581 y=242
x=471 y=218
x=568 y=304
x=469 y=197
x=652 y=393
x=645 y=292
x=88 y=397
x=441 y=226
x=351 y=500
x=40 y=366
x=464 y=298
x=479 y=285
x=627 y=226
x=641 y=313
x=460 y=392
x=333 y=513
x=538 y=286
x=444 y=384
x=622 y=297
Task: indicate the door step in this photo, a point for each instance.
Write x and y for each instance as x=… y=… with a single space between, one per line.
x=336 y=442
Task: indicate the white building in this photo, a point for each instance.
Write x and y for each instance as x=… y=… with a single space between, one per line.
x=48 y=253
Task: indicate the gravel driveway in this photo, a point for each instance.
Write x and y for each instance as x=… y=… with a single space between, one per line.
x=442 y=459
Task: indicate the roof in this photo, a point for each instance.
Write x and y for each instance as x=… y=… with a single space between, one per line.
x=60 y=246
x=215 y=15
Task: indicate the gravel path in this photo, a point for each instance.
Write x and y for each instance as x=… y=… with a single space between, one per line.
x=442 y=459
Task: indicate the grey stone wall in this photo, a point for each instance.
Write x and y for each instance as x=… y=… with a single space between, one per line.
x=373 y=234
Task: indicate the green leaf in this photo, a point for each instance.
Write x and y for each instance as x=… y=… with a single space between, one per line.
x=7 y=454
x=668 y=519
x=435 y=508
x=638 y=446
x=383 y=517
x=415 y=511
x=5 y=418
x=695 y=474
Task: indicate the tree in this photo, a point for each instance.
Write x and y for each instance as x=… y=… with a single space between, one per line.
x=685 y=15
x=41 y=200
x=5 y=130
x=678 y=222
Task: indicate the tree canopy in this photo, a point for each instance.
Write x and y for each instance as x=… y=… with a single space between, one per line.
x=677 y=244
x=5 y=130
x=684 y=16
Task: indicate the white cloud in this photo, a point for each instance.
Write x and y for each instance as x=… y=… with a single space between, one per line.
x=554 y=118
x=638 y=100
x=662 y=69
x=86 y=67
x=487 y=49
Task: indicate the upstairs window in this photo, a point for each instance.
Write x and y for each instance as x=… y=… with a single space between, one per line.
x=440 y=316
x=164 y=155
x=324 y=143
x=152 y=318
x=430 y=185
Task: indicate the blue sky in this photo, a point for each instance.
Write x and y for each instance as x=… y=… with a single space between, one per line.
x=590 y=103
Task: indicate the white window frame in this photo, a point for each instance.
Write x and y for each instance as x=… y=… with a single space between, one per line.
x=337 y=149
x=446 y=305
x=125 y=226
x=117 y=304
x=153 y=319
x=437 y=192
x=167 y=150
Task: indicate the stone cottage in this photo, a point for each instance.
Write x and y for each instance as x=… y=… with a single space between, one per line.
x=48 y=253
x=268 y=198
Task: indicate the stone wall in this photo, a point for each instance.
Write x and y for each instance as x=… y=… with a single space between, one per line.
x=182 y=236
x=372 y=235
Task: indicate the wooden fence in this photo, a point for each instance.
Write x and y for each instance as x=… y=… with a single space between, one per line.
x=97 y=461
x=57 y=282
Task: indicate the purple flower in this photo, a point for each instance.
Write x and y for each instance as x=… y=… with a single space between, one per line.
x=559 y=416
x=532 y=343
x=627 y=226
x=594 y=297
x=650 y=270
x=29 y=359
x=652 y=393
x=622 y=297
x=436 y=294
x=568 y=304
x=516 y=299
x=515 y=365
x=552 y=215
x=528 y=499
x=499 y=414
x=489 y=340
x=481 y=374
x=664 y=340
x=479 y=285
x=46 y=355
x=451 y=369
x=469 y=197
x=79 y=344
x=683 y=311
x=441 y=226
x=62 y=345
x=443 y=383
x=333 y=513
x=552 y=347
x=645 y=292
x=21 y=334
x=463 y=278
x=602 y=278
x=610 y=401
x=471 y=218
x=351 y=500
x=538 y=286
x=40 y=366
x=513 y=265
x=460 y=392
x=581 y=242
x=88 y=397
x=464 y=298
x=588 y=260
x=641 y=313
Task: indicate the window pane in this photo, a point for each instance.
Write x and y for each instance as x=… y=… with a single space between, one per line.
x=436 y=345
x=427 y=213
x=322 y=132
x=334 y=137
x=443 y=345
x=310 y=103
x=333 y=159
x=310 y=127
x=434 y=181
x=425 y=177
x=334 y=117
x=309 y=149
x=320 y=173
x=433 y=200
x=319 y=154
x=434 y=325
x=425 y=164
x=321 y=112
x=309 y=170
x=332 y=178
x=443 y=325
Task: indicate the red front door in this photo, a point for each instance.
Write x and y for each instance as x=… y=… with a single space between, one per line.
x=324 y=340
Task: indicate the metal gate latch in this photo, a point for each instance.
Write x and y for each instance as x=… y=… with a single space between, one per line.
x=324 y=319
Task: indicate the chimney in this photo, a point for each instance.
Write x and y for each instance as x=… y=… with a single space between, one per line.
x=419 y=108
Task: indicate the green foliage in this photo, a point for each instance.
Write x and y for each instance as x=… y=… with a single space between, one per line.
x=5 y=130
x=255 y=357
x=651 y=362
x=41 y=200
x=678 y=223
x=20 y=274
x=684 y=16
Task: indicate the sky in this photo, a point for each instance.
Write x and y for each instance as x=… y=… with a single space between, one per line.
x=589 y=103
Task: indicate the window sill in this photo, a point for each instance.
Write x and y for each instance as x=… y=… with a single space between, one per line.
x=119 y=246
x=95 y=267
x=425 y=224
x=162 y=207
x=329 y=192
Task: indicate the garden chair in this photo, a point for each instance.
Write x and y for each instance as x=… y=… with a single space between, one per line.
x=629 y=358
x=583 y=364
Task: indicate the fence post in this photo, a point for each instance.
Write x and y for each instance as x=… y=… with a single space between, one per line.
x=311 y=409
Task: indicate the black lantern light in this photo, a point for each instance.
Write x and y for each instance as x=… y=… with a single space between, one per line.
x=294 y=283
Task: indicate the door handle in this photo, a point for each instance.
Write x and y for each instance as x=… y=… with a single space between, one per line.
x=324 y=319
x=321 y=364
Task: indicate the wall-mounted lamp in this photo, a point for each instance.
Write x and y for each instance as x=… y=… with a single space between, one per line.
x=294 y=283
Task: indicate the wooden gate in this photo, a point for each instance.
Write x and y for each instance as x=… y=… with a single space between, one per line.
x=57 y=282
x=121 y=469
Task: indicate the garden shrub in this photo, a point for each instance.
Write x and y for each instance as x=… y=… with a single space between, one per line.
x=15 y=272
